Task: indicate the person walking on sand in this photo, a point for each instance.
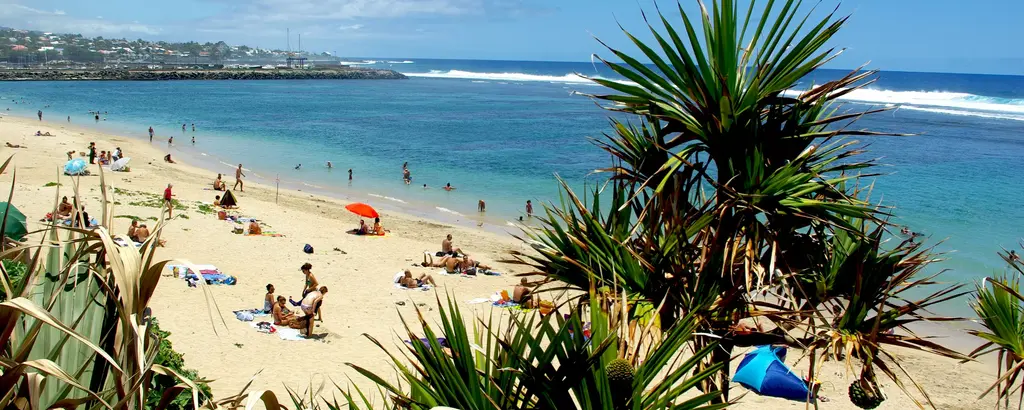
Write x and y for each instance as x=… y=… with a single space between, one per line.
x=40 y=114
x=529 y=209
x=150 y=134
x=238 y=179
x=167 y=200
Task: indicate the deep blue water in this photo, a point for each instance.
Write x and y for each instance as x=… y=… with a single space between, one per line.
x=501 y=130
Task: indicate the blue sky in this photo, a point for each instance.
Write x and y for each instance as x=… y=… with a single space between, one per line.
x=911 y=35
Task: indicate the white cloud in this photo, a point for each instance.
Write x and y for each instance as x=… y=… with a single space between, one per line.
x=21 y=16
x=352 y=27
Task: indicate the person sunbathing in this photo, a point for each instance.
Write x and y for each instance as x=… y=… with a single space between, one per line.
x=132 y=229
x=268 y=300
x=254 y=228
x=411 y=282
x=167 y=159
x=64 y=209
x=468 y=263
x=142 y=233
x=282 y=316
x=378 y=229
x=9 y=145
x=218 y=184
x=449 y=263
x=523 y=295
x=447 y=249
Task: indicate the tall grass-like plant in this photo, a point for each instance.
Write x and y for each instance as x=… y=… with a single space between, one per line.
x=76 y=333
x=597 y=356
x=733 y=193
x=999 y=305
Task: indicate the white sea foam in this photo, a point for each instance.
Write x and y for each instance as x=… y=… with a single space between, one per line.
x=387 y=198
x=446 y=210
x=937 y=101
x=966 y=113
x=472 y=75
x=401 y=62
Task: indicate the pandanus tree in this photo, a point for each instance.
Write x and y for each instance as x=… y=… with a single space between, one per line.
x=733 y=196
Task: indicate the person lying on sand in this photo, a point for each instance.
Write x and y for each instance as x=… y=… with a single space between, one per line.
x=9 y=145
x=43 y=134
x=411 y=282
x=167 y=159
x=447 y=249
x=468 y=263
x=65 y=208
x=449 y=263
x=254 y=228
x=282 y=316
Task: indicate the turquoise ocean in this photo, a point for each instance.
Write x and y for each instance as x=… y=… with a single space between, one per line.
x=501 y=130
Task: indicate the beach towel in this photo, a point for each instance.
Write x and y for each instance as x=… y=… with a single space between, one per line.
x=356 y=233
x=210 y=273
x=248 y=315
x=426 y=342
x=93 y=223
x=283 y=332
x=126 y=243
x=270 y=234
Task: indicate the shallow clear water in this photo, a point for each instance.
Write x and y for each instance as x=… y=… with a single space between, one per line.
x=500 y=131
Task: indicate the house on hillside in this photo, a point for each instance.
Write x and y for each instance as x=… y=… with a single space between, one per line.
x=18 y=47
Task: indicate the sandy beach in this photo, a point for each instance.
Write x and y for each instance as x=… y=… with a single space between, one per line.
x=358 y=270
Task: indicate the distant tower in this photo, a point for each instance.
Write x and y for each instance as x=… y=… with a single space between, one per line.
x=300 y=43
x=288 y=39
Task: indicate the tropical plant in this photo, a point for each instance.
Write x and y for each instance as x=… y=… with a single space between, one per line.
x=595 y=357
x=998 y=304
x=77 y=331
x=735 y=195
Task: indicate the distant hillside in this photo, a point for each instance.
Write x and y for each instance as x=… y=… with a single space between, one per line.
x=28 y=47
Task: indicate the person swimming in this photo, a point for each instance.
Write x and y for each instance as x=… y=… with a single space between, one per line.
x=329 y=165
x=449 y=187
x=298 y=166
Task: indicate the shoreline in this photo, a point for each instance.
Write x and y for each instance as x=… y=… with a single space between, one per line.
x=495 y=222
x=357 y=270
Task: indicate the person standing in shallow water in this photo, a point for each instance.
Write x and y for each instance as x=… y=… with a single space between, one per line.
x=350 y=174
x=150 y=134
x=193 y=127
x=529 y=209
x=40 y=114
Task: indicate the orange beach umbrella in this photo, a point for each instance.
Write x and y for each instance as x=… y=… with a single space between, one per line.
x=363 y=210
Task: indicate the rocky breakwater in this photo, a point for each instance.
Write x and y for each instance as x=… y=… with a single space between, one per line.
x=222 y=74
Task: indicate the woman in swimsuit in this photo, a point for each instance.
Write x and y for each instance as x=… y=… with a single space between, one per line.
x=268 y=301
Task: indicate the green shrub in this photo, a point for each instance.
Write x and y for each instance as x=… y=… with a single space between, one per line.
x=50 y=184
x=167 y=356
x=17 y=272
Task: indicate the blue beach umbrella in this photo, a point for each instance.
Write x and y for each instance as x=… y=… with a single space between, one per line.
x=76 y=166
x=763 y=372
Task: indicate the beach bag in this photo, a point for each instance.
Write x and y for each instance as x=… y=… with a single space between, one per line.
x=308 y=248
x=222 y=215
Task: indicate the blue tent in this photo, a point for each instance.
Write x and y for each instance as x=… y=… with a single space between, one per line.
x=764 y=372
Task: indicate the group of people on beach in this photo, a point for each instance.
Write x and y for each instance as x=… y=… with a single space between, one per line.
x=309 y=305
